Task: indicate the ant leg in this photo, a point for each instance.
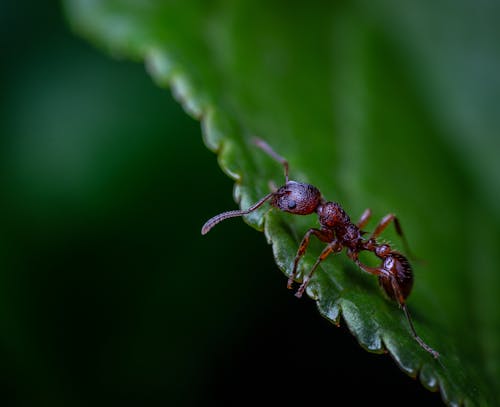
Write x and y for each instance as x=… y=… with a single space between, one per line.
x=386 y=220
x=365 y=217
x=267 y=149
x=398 y=295
x=402 y=304
x=329 y=249
x=376 y=271
x=321 y=235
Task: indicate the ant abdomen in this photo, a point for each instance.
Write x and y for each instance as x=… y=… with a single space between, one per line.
x=397 y=267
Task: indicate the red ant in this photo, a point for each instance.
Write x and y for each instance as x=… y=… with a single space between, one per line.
x=394 y=273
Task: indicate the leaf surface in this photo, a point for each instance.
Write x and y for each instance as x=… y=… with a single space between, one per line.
x=377 y=107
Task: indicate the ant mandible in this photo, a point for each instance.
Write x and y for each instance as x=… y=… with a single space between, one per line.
x=394 y=273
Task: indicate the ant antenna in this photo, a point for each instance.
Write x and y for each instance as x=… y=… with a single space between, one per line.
x=232 y=214
x=267 y=149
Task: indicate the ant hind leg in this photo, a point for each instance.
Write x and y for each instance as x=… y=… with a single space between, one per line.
x=386 y=221
x=365 y=217
x=402 y=304
x=399 y=297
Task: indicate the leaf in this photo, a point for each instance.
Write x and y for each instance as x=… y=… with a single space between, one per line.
x=377 y=106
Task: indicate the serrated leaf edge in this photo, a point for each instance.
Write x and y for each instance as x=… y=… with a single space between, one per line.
x=167 y=73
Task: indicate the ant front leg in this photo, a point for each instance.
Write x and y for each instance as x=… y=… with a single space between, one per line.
x=333 y=247
x=321 y=235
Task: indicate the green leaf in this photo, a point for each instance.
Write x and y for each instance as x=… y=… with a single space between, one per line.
x=381 y=105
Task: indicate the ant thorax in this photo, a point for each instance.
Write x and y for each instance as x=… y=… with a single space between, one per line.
x=331 y=215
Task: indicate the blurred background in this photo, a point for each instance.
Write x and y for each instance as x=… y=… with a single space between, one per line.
x=108 y=293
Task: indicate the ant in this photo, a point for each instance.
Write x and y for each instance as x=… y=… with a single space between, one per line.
x=394 y=273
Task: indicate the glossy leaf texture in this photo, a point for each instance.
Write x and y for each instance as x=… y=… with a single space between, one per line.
x=379 y=104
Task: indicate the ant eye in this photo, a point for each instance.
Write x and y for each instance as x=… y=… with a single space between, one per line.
x=292 y=204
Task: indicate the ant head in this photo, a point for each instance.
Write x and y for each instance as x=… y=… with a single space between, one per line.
x=297 y=198
x=293 y=197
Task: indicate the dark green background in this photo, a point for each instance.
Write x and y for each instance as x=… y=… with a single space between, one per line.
x=109 y=295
